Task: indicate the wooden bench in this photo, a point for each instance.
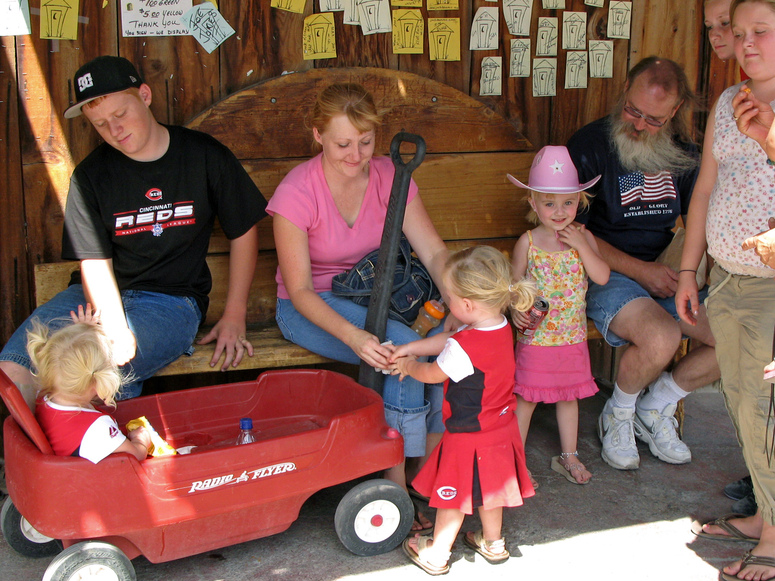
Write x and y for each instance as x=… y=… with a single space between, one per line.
x=462 y=182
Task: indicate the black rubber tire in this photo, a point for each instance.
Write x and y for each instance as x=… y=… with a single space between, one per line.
x=380 y=501
x=75 y=561
x=21 y=537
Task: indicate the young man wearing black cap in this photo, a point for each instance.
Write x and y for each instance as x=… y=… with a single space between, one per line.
x=139 y=216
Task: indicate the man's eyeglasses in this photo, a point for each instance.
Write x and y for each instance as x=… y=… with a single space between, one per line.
x=632 y=111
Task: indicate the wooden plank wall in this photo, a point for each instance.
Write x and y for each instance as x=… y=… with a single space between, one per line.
x=39 y=147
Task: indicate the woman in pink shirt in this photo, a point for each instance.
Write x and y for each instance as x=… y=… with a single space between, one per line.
x=329 y=212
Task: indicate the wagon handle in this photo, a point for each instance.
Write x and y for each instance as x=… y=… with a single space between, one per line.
x=377 y=313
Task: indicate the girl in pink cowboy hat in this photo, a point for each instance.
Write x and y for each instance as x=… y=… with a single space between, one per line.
x=553 y=360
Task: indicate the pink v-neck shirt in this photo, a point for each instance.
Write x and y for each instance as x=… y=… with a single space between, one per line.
x=304 y=199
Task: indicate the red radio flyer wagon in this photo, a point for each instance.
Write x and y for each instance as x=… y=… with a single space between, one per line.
x=314 y=429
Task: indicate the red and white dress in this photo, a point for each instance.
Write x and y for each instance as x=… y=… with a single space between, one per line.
x=480 y=460
x=77 y=431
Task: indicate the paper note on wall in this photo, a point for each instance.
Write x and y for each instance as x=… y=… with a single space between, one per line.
x=546 y=37
x=374 y=16
x=207 y=25
x=332 y=5
x=518 y=14
x=444 y=39
x=574 y=30
x=59 y=19
x=443 y=5
x=598 y=3
x=544 y=77
x=408 y=31
x=407 y=3
x=319 y=36
x=15 y=17
x=519 y=61
x=491 y=79
x=484 y=30
x=149 y=18
x=619 y=18
x=296 y=6
x=601 y=59
x=576 y=70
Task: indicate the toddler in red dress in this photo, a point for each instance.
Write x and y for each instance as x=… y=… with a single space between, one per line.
x=480 y=461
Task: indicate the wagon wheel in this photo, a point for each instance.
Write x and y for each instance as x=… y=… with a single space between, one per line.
x=22 y=537
x=374 y=517
x=90 y=560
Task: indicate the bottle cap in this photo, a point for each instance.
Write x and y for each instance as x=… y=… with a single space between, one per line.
x=246 y=424
x=434 y=309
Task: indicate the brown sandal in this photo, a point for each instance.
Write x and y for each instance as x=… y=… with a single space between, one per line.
x=750 y=559
x=494 y=552
x=420 y=556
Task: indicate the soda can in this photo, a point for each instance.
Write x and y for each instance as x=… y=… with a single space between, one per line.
x=536 y=314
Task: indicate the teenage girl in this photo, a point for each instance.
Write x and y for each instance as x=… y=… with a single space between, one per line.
x=74 y=366
x=553 y=363
x=479 y=462
x=732 y=201
x=719 y=28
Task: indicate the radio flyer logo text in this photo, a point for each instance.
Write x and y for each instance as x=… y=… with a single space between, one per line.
x=210 y=483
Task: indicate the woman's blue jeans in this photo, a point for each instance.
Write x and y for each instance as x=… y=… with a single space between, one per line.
x=405 y=404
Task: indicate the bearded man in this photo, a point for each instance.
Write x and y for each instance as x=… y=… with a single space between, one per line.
x=649 y=165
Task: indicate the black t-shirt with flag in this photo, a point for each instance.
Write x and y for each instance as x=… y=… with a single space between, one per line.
x=632 y=211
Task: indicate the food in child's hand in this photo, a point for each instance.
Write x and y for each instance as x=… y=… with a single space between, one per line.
x=158 y=446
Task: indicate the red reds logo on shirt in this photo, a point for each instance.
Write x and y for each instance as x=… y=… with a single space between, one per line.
x=154 y=194
x=113 y=431
x=447 y=492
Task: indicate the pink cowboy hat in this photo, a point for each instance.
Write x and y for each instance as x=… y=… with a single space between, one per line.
x=553 y=172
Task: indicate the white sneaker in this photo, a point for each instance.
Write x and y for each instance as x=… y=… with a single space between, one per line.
x=660 y=431
x=615 y=429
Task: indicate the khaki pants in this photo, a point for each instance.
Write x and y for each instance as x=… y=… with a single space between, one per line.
x=741 y=310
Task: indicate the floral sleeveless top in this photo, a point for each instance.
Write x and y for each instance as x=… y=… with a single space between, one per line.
x=561 y=279
x=743 y=197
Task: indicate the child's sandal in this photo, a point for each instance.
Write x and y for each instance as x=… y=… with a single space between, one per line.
x=422 y=555
x=494 y=552
x=567 y=469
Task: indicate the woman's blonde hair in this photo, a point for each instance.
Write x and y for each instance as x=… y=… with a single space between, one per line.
x=584 y=198
x=736 y=3
x=483 y=274
x=72 y=359
x=349 y=99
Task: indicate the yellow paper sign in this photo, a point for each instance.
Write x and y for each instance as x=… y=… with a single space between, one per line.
x=443 y=5
x=296 y=6
x=408 y=31
x=319 y=36
x=59 y=19
x=407 y=3
x=444 y=39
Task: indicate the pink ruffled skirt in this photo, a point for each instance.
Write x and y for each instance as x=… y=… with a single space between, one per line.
x=552 y=374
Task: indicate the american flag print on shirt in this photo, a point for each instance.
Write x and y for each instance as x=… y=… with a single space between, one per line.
x=639 y=187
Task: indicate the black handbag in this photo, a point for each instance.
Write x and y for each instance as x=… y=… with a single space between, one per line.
x=412 y=284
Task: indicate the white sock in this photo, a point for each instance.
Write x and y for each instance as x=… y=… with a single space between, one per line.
x=622 y=399
x=663 y=392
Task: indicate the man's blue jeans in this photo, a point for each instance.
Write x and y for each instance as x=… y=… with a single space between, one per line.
x=164 y=326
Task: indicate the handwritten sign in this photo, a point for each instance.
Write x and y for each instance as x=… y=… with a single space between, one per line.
x=154 y=17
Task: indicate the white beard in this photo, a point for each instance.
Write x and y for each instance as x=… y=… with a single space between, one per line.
x=649 y=153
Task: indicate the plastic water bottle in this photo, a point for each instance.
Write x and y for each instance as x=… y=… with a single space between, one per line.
x=246 y=432
x=431 y=314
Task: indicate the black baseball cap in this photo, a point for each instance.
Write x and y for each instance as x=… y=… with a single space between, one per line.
x=102 y=76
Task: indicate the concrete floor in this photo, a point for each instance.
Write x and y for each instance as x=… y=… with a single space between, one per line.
x=632 y=525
